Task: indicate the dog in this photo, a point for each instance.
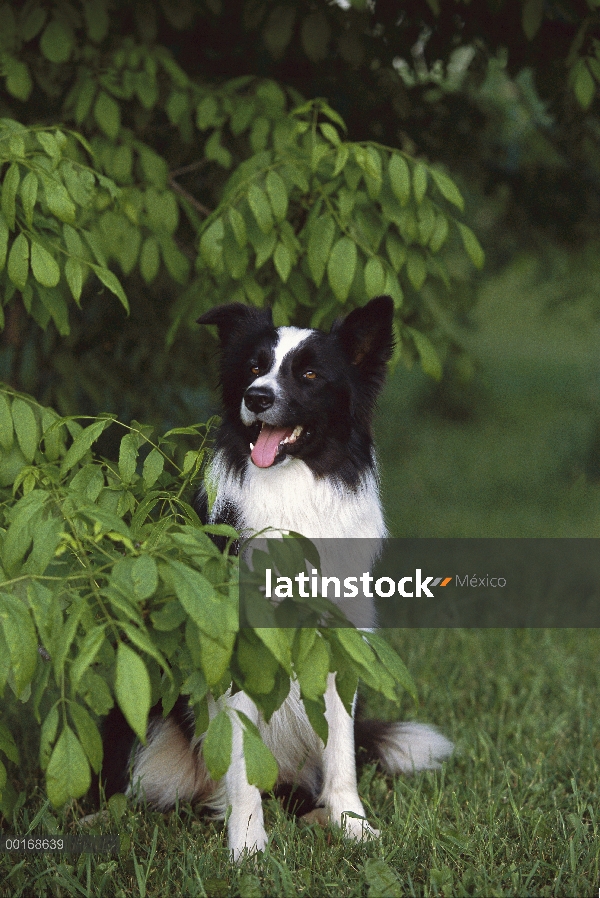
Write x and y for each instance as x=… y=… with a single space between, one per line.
x=294 y=452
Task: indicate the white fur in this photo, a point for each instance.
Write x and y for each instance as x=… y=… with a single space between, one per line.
x=289 y=338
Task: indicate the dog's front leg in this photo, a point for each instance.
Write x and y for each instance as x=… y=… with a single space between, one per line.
x=246 y=830
x=340 y=792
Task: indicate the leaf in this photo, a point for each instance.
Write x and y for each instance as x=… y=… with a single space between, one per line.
x=261 y=766
x=128 y=453
x=238 y=226
x=58 y=200
x=416 y=268
x=18 y=261
x=211 y=244
x=21 y=639
x=341 y=267
x=87 y=651
x=430 y=362
x=374 y=278
x=282 y=259
x=320 y=239
x=3 y=241
x=277 y=195
x=57 y=41
x=18 y=79
x=382 y=880
x=447 y=188
x=533 y=13
x=29 y=191
x=261 y=208
x=26 y=428
x=144 y=574
x=132 y=687
x=88 y=735
x=472 y=245
x=44 y=266
x=74 y=276
x=10 y=185
x=399 y=178
x=583 y=84
x=217 y=744
x=439 y=233
x=6 y=423
x=149 y=259
x=112 y=282
x=312 y=672
x=108 y=115
x=153 y=468
x=68 y=773
x=82 y=443
x=419 y=181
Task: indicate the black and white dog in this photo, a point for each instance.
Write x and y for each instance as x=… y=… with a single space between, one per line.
x=294 y=452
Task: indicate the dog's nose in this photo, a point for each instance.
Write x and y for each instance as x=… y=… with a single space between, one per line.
x=258 y=399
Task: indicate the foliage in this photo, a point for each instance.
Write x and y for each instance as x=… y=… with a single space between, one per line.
x=111 y=590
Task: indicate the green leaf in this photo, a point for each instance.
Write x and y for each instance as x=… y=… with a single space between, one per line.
x=312 y=672
x=149 y=259
x=74 y=276
x=277 y=195
x=207 y=113
x=238 y=226
x=211 y=244
x=583 y=84
x=416 y=268
x=447 y=188
x=374 y=278
x=382 y=880
x=132 y=687
x=68 y=773
x=261 y=766
x=96 y=20
x=533 y=13
x=57 y=41
x=430 y=361
x=88 y=735
x=261 y=208
x=320 y=239
x=217 y=744
x=419 y=181
x=282 y=259
x=341 y=267
x=87 y=651
x=18 y=79
x=18 y=261
x=439 y=233
x=472 y=245
x=6 y=423
x=399 y=178
x=44 y=266
x=21 y=639
x=153 y=468
x=112 y=282
x=10 y=185
x=3 y=241
x=144 y=575
x=29 y=191
x=82 y=443
x=128 y=452
x=26 y=428
x=108 y=115
x=58 y=200
x=32 y=22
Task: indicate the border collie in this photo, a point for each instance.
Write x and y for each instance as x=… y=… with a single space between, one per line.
x=294 y=452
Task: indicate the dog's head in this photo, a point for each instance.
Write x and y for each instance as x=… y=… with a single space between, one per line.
x=294 y=392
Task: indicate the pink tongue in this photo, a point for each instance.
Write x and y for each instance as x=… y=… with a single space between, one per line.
x=267 y=444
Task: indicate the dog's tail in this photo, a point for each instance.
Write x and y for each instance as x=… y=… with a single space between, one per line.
x=401 y=747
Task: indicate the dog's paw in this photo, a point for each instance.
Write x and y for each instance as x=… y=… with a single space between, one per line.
x=247 y=836
x=350 y=816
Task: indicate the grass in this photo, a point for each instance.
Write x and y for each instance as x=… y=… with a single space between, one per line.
x=514 y=812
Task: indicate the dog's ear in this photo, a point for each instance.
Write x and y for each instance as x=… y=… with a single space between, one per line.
x=367 y=334
x=234 y=316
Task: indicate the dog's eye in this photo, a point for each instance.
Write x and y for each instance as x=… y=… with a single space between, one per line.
x=255 y=369
x=309 y=375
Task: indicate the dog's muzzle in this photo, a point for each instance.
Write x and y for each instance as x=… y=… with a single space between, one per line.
x=259 y=399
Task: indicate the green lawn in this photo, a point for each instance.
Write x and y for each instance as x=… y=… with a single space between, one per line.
x=514 y=812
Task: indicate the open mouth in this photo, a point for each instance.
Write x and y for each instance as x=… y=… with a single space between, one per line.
x=271 y=443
